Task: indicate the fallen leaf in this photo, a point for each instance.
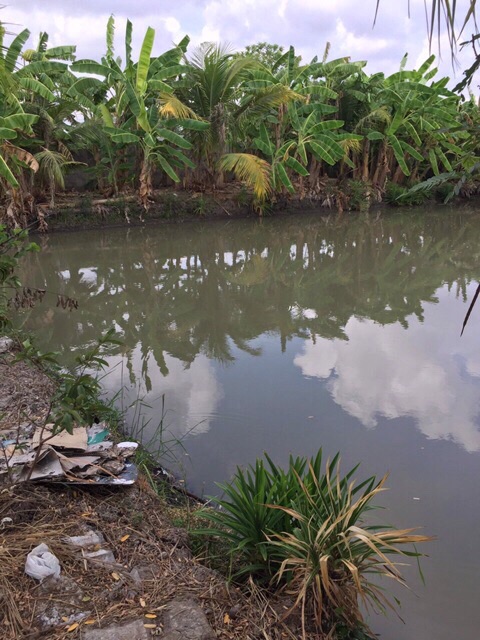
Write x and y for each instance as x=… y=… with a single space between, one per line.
x=72 y=627
x=226 y=619
x=86 y=598
x=150 y=615
x=142 y=602
x=115 y=576
x=125 y=537
x=89 y=622
x=150 y=626
x=65 y=618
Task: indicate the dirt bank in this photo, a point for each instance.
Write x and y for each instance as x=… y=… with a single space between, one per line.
x=152 y=583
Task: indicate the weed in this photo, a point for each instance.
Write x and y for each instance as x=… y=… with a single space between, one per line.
x=303 y=530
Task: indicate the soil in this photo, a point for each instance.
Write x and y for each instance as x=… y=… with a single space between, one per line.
x=77 y=210
x=154 y=563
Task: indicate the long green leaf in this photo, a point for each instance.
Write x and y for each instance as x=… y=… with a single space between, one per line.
x=21 y=121
x=281 y=174
x=15 y=49
x=95 y=68
x=37 y=87
x=7 y=174
x=144 y=60
x=296 y=166
x=128 y=43
x=167 y=167
x=7 y=134
x=399 y=154
x=173 y=137
x=124 y=137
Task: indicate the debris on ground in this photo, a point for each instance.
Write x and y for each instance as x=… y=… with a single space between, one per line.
x=87 y=455
x=125 y=570
x=42 y=563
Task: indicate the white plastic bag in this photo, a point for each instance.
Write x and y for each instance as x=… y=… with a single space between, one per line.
x=41 y=563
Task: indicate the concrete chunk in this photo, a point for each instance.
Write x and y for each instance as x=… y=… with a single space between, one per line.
x=130 y=631
x=184 y=618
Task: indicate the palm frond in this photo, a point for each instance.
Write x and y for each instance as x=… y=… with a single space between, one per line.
x=254 y=171
x=173 y=107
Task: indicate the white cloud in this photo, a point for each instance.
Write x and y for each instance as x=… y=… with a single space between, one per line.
x=306 y=24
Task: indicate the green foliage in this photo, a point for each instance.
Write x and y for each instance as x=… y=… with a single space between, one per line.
x=282 y=125
x=77 y=399
x=359 y=195
x=305 y=529
x=13 y=246
x=400 y=196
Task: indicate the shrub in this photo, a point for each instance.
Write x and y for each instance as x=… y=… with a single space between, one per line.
x=400 y=196
x=303 y=530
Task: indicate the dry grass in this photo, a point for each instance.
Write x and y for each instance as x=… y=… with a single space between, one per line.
x=49 y=514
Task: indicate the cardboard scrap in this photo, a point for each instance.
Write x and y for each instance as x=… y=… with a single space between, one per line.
x=75 y=440
x=85 y=456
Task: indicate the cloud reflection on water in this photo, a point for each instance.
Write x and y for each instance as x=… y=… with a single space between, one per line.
x=386 y=371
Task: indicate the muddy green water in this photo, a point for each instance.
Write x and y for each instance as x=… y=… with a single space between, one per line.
x=289 y=334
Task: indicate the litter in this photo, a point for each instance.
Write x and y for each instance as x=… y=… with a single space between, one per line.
x=41 y=563
x=92 y=540
x=85 y=456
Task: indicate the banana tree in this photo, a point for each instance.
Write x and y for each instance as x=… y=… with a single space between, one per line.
x=139 y=109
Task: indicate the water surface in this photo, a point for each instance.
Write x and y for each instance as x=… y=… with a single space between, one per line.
x=290 y=334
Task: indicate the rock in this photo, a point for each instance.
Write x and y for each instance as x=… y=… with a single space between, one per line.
x=130 y=631
x=62 y=598
x=142 y=572
x=184 y=619
x=5 y=344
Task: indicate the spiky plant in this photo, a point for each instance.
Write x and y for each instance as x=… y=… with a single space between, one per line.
x=305 y=531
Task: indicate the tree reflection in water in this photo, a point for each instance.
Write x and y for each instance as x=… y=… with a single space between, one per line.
x=200 y=289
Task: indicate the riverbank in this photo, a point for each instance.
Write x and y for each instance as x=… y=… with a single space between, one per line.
x=168 y=205
x=152 y=583
x=83 y=211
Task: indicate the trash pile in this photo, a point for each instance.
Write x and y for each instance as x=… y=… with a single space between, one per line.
x=85 y=456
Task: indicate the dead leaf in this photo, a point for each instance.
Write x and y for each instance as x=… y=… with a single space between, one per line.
x=150 y=615
x=226 y=619
x=72 y=627
x=89 y=622
x=86 y=598
x=65 y=618
x=125 y=537
x=150 y=626
x=142 y=602
x=115 y=576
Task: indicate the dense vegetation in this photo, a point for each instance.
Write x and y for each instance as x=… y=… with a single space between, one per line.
x=325 y=130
